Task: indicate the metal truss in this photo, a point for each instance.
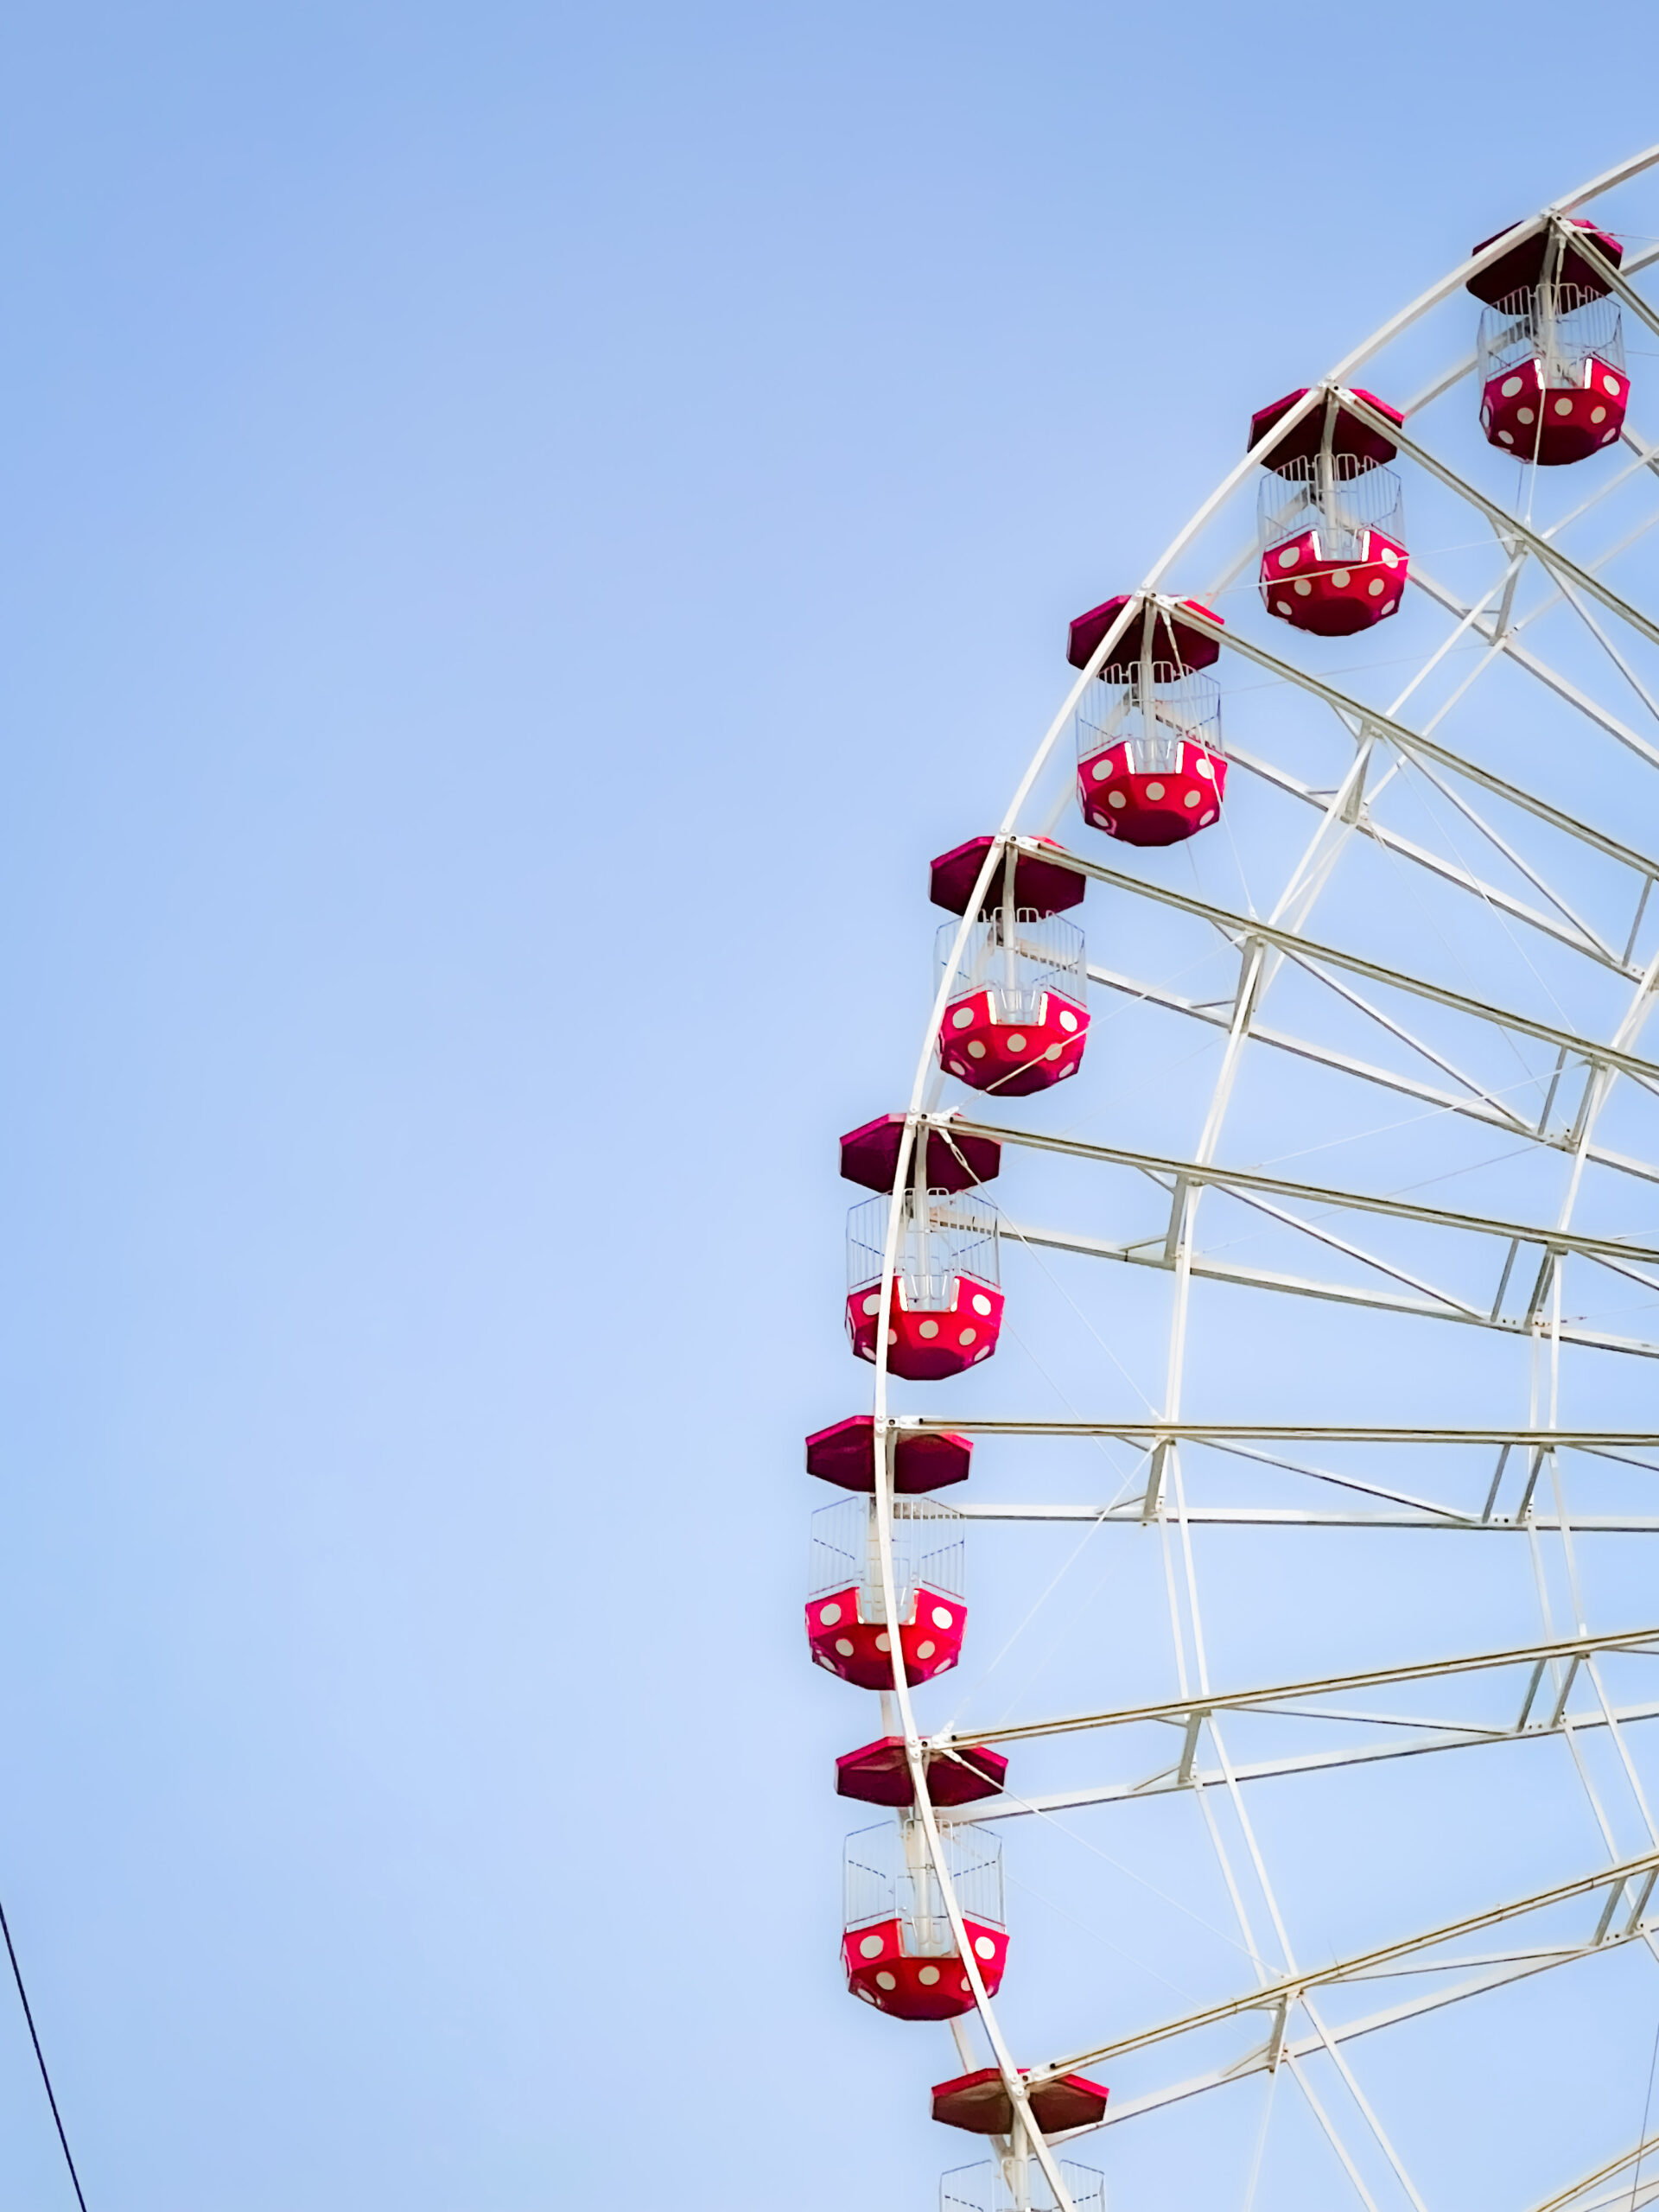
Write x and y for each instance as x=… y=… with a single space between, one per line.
x=1633 y=1876
x=1241 y=1180
x=1185 y=1773
x=1279 y=2045
x=1242 y=930
x=1430 y=1304
x=1565 y=1697
x=1473 y=1104
x=1182 y=1712
x=1356 y=715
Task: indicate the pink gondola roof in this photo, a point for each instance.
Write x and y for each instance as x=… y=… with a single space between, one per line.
x=1194 y=648
x=980 y=2103
x=1350 y=434
x=1050 y=886
x=870 y=1155
x=924 y=1460
x=879 y=1774
x=1514 y=271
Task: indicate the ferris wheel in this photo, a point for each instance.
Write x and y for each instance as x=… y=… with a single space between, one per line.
x=1265 y=1288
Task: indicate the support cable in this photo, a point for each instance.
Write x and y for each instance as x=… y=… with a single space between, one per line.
x=1647 y=2109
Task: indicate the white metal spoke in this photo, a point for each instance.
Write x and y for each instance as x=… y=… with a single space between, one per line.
x=1644 y=1639
x=1217 y=1016
x=1506 y=523
x=1168 y=1781
x=1633 y=2157
x=1431 y=1305
x=1538 y=912
x=1499 y=1976
x=1419 y=742
x=1363 y=1965
x=1576 y=934
x=1128 y=1514
x=1238 y=927
x=1508 y=642
x=1553 y=1237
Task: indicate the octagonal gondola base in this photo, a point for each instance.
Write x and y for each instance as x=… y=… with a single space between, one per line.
x=933 y=1342
x=1012 y=1058
x=1559 y=424
x=935 y=1988
x=1151 y=810
x=861 y=1651
x=1333 y=598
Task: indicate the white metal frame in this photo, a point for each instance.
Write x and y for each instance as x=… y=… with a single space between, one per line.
x=1587 y=1066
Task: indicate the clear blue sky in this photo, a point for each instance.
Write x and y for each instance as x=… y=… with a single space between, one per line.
x=521 y=529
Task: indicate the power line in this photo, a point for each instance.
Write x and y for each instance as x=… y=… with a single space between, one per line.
x=40 y=2058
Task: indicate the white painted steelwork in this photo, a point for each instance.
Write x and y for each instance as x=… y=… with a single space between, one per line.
x=1552 y=862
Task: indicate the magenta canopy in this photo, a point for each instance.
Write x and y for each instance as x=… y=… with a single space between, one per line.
x=1517 y=270
x=1190 y=648
x=924 y=1460
x=1049 y=886
x=1349 y=436
x=880 y=1774
x=980 y=2102
x=870 y=1156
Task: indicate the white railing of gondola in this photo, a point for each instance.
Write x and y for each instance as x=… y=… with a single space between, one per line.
x=1042 y=954
x=947 y=1238
x=987 y=2188
x=1561 y=327
x=929 y=1551
x=886 y=1876
x=1353 y=499
x=1186 y=709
